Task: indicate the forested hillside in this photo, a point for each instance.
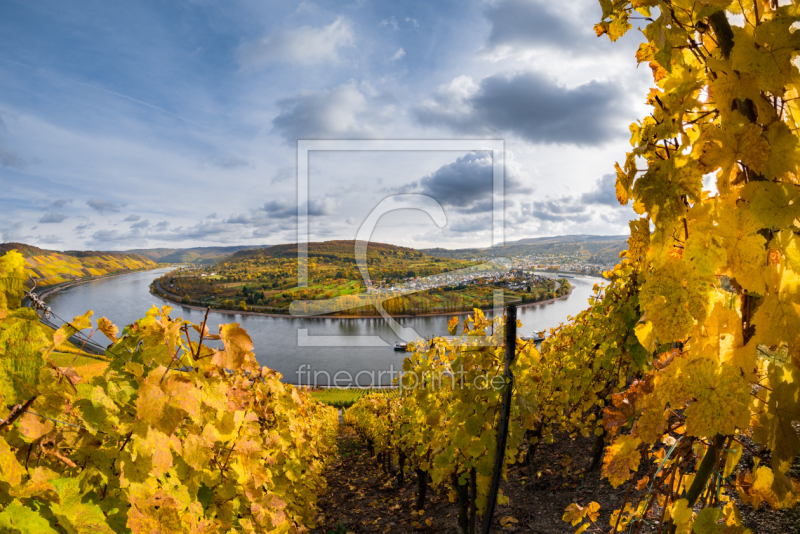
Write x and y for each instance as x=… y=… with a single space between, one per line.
x=196 y=255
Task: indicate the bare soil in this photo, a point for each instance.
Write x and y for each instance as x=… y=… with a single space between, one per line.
x=363 y=498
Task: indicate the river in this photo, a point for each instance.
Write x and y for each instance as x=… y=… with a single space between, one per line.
x=324 y=351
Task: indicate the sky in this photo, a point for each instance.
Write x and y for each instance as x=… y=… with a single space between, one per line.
x=176 y=124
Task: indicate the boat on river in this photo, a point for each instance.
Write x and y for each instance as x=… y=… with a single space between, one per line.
x=400 y=346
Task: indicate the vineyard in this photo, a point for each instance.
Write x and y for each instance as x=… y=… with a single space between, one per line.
x=164 y=433
x=49 y=267
x=689 y=357
x=676 y=391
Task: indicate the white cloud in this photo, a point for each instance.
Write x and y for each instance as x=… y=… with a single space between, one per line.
x=398 y=55
x=10 y=231
x=304 y=45
x=342 y=112
x=49 y=239
x=389 y=22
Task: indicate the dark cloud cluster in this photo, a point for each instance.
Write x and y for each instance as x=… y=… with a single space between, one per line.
x=560 y=210
x=52 y=218
x=103 y=206
x=583 y=207
x=231 y=162
x=603 y=192
x=280 y=208
x=462 y=183
x=467 y=184
x=531 y=106
x=82 y=228
x=535 y=23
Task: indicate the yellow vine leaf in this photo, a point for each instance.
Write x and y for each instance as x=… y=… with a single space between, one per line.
x=19 y=518
x=10 y=470
x=75 y=516
x=744 y=249
x=681 y=515
x=729 y=85
x=659 y=191
x=706 y=522
x=789 y=246
x=772 y=421
x=772 y=204
x=621 y=458
x=777 y=318
x=719 y=336
x=646 y=335
x=238 y=348
x=639 y=241
x=452 y=326
x=737 y=140
x=756 y=489
x=784 y=154
x=108 y=328
x=768 y=51
x=675 y=296
x=574 y=514
x=721 y=396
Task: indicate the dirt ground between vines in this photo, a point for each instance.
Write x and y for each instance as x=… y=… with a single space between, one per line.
x=362 y=498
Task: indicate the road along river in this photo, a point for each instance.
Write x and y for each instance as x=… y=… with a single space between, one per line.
x=322 y=351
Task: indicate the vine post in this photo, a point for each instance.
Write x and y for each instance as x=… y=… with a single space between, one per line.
x=505 y=413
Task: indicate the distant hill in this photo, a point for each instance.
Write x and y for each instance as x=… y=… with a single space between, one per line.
x=596 y=248
x=327 y=250
x=197 y=255
x=50 y=267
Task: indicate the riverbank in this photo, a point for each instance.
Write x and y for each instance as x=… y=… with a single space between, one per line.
x=287 y=316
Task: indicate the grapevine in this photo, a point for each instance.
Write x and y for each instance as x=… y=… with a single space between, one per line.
x=721 y=287
x=170 y=434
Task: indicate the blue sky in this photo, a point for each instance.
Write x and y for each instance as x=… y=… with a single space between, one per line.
x=146 y=124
